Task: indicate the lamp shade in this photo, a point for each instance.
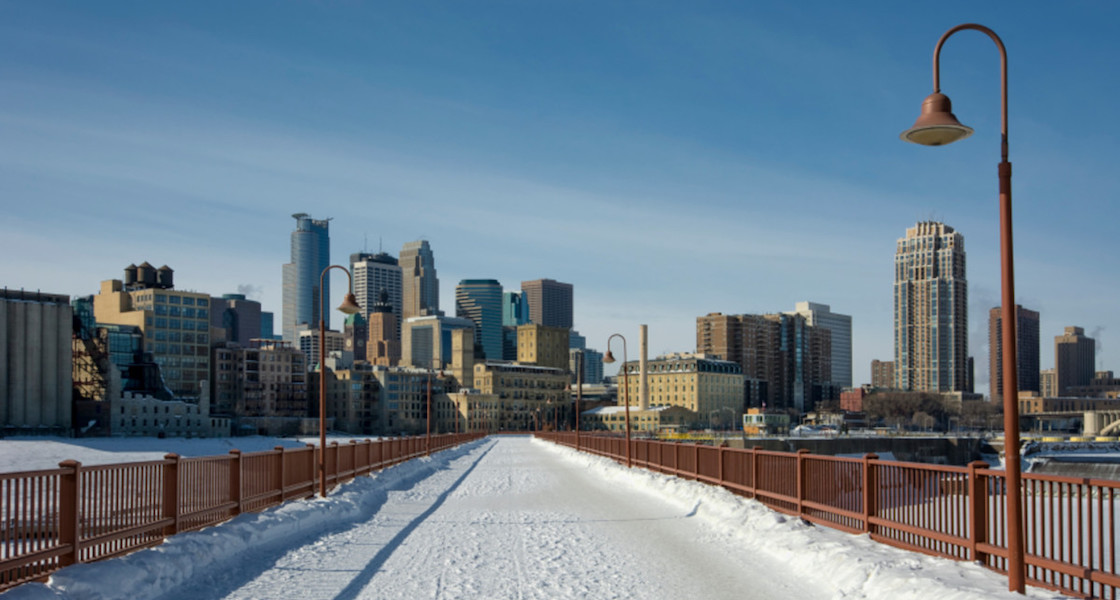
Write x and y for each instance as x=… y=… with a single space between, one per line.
x=937 y=125
x=609 y=358
x=350 y=304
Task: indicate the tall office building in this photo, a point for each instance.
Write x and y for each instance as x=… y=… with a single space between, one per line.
x=1075 y=355
x=268 y=332
x=311 y=253
x=480 y=300
x=550 y=302
x=515 y=309
x=930 y=310
x=238 y=317
x=175 y=324
x=515 y=313
x=419 y=283
x=384 y=346
x=785 y=361
x=307 y=342
x=374 y=273
x=592 y=362
x=429 y=341
x=1026 y=350
x=543 y=345
x=821 y=315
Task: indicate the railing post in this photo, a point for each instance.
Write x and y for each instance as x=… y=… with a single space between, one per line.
x=977 y=510
x=801 y=452
x=754 y=470
x=369 y=456
x=720 y=463
x=69 y=526
x=235 y=480
x=337 y=453
x=278 y=476
x=870 y=491
x=696 y=462
x=171 y=494
x=353 y=459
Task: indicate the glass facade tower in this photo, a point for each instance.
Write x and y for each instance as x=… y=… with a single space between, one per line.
x=310 y=255
x=480 y=300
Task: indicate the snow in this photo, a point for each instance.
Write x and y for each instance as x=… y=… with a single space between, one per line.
x=516 y=517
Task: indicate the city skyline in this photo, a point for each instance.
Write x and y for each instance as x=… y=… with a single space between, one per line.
x=668 y=162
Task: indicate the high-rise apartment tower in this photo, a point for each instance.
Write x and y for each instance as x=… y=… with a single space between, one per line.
x=1074 y=358
x=785 y=361
x=1026 y=350
x=930 y=310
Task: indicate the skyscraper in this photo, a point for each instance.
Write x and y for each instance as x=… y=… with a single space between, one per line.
x=1026 y=350
x=384 y=347
x=419 y=283
x=550 y=302
x=311 y=253
x=821 y=315
x=1075 y=355
x=515 y=309
x=786 y=362
x=374 y=273
x=238 y=316
x=480 y=300
x=930 y=310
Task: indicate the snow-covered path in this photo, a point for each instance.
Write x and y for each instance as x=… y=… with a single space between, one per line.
x=513 y=520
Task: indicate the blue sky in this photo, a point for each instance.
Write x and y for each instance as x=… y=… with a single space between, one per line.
x=668 y=159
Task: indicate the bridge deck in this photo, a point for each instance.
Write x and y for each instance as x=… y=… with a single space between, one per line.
x=513 y=519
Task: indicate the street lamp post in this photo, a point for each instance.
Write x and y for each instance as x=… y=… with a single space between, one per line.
x=428 y=435
x=579 y=392
x=349 y=306
x=937 y=126
x=609 y=358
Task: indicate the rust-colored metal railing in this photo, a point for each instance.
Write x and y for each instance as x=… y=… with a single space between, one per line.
x=953 y=512
x=57 y=517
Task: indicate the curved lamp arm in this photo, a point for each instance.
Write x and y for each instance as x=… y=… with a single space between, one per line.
x=1002 y=71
